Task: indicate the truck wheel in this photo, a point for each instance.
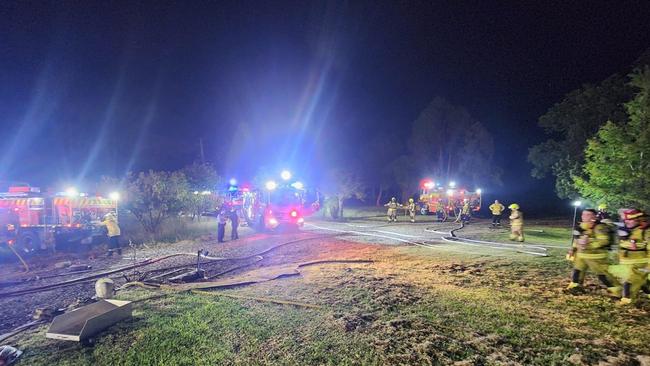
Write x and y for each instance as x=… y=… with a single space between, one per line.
x=424 y=211
x=28 y=242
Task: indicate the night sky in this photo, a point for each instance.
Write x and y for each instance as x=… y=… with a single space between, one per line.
x=89 y=90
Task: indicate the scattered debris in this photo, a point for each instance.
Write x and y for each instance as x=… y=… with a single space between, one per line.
x=104 y=288
x=83 y=323
x=191 y=276
x=79 y=268
x=46 y=313
x=64 y=264
x=9 y=355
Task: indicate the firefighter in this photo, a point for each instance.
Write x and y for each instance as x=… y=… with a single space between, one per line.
x=234 y=223
x=516 y=223
x=465 y=212
x=393 y=205
x=222 y=218
x=110 y=221
x=632 y=254
x=603 y=215
x=440 y=210
x=497 y=210
x=411 y=208
x=589 y=251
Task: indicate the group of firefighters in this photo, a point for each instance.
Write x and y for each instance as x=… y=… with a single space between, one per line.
x=516 y=216
x=627 y=274
x=411 y=208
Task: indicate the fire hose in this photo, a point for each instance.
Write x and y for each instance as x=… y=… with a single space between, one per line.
x=146 y=263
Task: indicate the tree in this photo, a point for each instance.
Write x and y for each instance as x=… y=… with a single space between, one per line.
x=377 y=154
x=201 y=179
x=343 y=184
x=403 y=170
x=571 y=123
x=448 y=143
x=154 y=196
x=617 y=169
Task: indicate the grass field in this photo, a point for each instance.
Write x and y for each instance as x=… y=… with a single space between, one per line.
x=413 y=305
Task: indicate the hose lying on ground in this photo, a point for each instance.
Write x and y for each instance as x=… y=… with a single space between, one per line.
x=19 y=258
x=146 y=263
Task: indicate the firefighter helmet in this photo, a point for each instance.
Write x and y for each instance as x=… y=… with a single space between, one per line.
x=602 y=207
x=411 y=200
x=393 y=199
x=633 y=214
x=514 y=206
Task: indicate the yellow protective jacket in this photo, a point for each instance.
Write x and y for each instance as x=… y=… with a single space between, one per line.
x=392 y=205
x=496 y=208
x=411 y=207
x=598 y=242
x=111 y=226
x=516 y=218
x=466 y=209
x=633 y=249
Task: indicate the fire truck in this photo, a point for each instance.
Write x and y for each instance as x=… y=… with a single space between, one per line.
x=446 y=202
x=31 y=220
x=276 y=205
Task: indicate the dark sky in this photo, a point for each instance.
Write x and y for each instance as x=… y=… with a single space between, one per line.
x=92 y=88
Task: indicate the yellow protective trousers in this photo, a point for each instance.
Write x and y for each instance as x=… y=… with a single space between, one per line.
x=597 y=263
x=629 y=271
x=517 y=232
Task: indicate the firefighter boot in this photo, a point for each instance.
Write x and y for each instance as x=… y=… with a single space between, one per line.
x=576 y=279
x=626 y=298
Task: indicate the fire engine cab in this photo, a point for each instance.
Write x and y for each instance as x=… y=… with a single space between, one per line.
x=31 y=220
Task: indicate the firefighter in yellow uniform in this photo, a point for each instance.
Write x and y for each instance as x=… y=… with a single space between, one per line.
x=465 y=212
x=440 y=211
x=411 y=208
x=590 y=248
x=393 y=205
x=110 y=221
x=497 y=210
x=632 y=254
x=516 y=223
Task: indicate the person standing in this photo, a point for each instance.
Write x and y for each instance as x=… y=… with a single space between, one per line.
x=393 y=205
x=411 y=209
x=234 y=223
x=589 y=251
x=222 y=218
x=516 y=223
x=114 y=232
x=465 y=212
x=440 y=211
x=497 y=210
x=632 y=254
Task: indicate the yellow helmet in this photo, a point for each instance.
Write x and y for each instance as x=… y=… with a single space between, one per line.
x=514 y=206
x=411 y=200
x=602 y=207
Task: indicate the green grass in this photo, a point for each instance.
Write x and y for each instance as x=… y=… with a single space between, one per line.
x=541 y=234
x=206 y=330
x=412 y=306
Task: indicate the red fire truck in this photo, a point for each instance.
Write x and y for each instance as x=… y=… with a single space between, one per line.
x=31 y=220
x=446 y=201
x=277 y=205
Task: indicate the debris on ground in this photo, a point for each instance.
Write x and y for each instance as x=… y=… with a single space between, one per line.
x=9 y=355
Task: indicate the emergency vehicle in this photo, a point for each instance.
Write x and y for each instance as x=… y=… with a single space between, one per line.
x=270 y=207
x=31 y=220
x=446 y=201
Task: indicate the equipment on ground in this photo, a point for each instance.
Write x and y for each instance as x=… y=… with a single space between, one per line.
x=81 y=324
